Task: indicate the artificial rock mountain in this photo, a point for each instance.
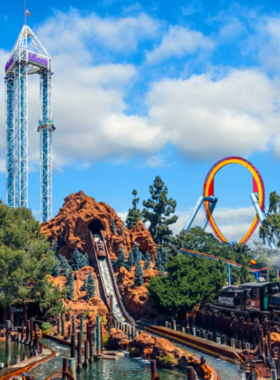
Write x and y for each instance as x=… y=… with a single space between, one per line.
x=72 y=226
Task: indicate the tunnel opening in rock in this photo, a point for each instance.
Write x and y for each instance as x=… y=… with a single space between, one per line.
x=96 y=226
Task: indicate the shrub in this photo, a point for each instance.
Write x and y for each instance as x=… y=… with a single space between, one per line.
x=46 y=327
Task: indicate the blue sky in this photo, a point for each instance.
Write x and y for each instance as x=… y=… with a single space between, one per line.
x=145 y=88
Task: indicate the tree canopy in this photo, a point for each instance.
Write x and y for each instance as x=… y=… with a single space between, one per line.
x=158 y=211
x=186 y=284
x=25 y=257
x=134 y=214
x=271 y=225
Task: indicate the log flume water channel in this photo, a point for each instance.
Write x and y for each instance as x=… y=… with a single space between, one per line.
x=126 y=368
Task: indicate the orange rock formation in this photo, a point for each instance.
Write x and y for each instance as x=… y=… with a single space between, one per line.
x=78 y=305
x=80 y=214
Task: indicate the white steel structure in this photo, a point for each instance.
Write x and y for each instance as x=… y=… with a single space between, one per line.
x=28 y=57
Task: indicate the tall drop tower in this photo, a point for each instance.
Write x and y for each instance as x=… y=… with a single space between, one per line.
x=27 y=58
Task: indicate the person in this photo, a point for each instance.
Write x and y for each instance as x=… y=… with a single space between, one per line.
x=24 y=376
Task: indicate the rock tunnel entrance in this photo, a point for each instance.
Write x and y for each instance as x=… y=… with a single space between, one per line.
x=96 y=226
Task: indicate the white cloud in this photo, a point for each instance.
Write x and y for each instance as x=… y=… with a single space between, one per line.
x=207 y=118
x=267 y=42
x=233 y=223
x=72 y=33
x=179 y=42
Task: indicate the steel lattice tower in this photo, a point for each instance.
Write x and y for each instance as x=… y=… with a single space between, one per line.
x=28 y=57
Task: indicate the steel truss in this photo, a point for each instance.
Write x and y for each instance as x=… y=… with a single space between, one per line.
x=28 y=57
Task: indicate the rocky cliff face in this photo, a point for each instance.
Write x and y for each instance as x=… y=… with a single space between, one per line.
x=78 y=305
x=81 y=214
x=136 y=298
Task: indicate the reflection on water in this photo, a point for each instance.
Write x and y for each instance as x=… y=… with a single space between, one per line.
x=125 y=368
x=16 y=348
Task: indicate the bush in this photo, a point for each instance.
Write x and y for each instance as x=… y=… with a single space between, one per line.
x=106 y=338
x=167 y=361
x=46 y=327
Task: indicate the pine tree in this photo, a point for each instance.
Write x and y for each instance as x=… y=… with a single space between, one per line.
x=90 y=287
x=76 y=259
x=55 y=272
x=120 y=230
x=138 y=278
x=83 y=288
x=64 y=266
x=70 y=284
x=135 y=253
x=79 y=260
x=157 y=211
x=55 y=246
x=130 y=261
x=120 y=262
x=148 y=260
x=113 y=226
x=161 y=269
x=85 y=261
x=158 y=259
x=134 y=214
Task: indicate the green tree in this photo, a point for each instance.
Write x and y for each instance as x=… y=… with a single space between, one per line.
x=134 y=214
x=64 y=266
x=25 y=257
x=55 y=272
x=113 y=226
x=271 y=225
x=135 y=253
x=189 y=281
x=120 y=230
x=130 y=261
x=84 y=286
x=147 y=259
x=120 y=262
x=55 y=246
x=90 y=287
x=70 y=284
x=51 y=299
x=158 y=210
x=138 y=277
x=85 y=261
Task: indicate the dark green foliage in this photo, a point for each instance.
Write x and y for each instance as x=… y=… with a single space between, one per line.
x=189 y=281
x=25 y=257
x=90 y=287
x=84 y=286
x=76 y=259
x=113 y=226
x=134 y=214
x=135 y=253
x=120 y=262
x=148 y=260
x=51 y=300
x=130 y=261
x=271 y=225
x=70 y=284
x=198 y=240
x=120 y=230
x=79 y=260
x=158 y=210
x=64 y=266
x=55 y=272
x=85 y=260
x=138 y=279
x=55 y=246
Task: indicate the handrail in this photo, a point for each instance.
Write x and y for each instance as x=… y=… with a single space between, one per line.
x=100 y=273
x=116 y=289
